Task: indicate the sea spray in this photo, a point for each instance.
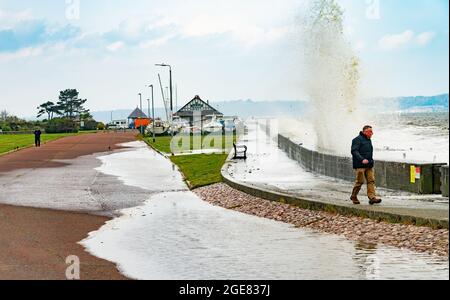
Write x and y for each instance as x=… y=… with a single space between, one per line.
x=330 y=76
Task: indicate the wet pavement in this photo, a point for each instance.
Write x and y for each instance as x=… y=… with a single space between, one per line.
x=91 y=183
x=176 y=235
x=269 y=168
x=166 y=232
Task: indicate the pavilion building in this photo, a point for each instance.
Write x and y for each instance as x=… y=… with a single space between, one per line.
x=138 y=118
x=198 y=112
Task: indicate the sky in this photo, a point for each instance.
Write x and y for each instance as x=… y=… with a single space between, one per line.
x=220 y=49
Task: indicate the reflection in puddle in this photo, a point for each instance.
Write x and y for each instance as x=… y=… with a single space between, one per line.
x=178 y=236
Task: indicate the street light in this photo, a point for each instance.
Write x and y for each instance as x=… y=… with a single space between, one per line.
x=140 y=99
x=171 y=91
x=170 y=78
x=153 y=112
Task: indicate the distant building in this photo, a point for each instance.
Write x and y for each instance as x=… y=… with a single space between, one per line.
x=204 y=112
x=138 y=118
x=118 y=124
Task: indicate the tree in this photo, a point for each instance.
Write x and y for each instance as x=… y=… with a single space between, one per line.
x=3 y=115
x=61 y=125
x=86 y=115
x=70 y=106
x=48 y=108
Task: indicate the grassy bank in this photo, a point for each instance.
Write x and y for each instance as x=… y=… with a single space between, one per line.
x=201 y=170
x=198 y=169
x=163 y=143
x=14 y=141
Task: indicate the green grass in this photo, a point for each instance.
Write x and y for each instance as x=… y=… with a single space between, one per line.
x=12 y=142
x=163 y=143
x=201 y=170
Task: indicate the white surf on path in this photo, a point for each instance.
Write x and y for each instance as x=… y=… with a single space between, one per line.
x=175 y=235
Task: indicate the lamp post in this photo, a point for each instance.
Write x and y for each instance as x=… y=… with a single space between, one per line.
x=140 y=100
x=153 y=112
x=171 y=92
x=170 y=84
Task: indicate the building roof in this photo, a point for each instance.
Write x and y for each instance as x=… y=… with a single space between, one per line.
x=138 y=114
x=197 y=104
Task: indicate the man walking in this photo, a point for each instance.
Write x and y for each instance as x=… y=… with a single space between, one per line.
x=363 y=163
x=37 y=137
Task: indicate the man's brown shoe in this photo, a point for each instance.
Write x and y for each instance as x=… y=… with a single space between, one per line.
x=375 y=201
x=355 y=200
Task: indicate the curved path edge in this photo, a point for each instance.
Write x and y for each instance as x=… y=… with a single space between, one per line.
x=376 y=213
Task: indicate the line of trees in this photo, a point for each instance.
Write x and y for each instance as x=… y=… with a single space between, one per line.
x=68 y=114
x=69 y=106
x=10 y=122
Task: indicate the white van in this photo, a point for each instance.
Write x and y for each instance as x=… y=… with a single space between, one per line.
x=118 y=124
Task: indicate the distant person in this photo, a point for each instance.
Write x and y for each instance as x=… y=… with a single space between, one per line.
x=363 y=163
x=37 y=137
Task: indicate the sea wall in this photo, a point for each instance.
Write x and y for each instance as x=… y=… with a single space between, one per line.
x=416 y=178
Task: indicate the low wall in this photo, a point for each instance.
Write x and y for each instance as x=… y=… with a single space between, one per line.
x=415 y=178
x=444 y=180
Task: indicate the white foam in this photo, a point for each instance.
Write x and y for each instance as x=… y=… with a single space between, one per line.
x=177 y=236
x=391 y=142
x=143 y=168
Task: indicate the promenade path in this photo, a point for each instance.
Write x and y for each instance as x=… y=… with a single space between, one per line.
x=34 y=242
x=161 y=230
x=270 y=170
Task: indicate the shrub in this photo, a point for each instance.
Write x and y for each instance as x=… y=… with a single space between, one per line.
x=61 y=125
x=5 y=127
x=90 y=125
x=101 y=126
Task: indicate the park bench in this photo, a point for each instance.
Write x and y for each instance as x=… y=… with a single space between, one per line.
x=240 y=151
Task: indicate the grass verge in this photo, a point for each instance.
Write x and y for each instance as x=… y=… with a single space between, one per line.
x=198 y=169
x=163 y=143
x=201 y=169
x=18 y=141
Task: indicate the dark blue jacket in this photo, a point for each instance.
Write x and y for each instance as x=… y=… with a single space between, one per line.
x=362 y=149
x=37 y=134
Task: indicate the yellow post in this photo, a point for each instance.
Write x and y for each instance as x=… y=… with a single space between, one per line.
x=413 y=174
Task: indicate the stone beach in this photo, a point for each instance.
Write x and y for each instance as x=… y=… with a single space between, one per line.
x=365 y=231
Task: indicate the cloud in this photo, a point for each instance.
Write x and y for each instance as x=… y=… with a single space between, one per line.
x=33 y=33
x=395 y=41
x=240 y=30
x=425 y=38
x=115 y=46
x=133 y=31
x=157 y=42
x=21 y=54
x=8 y=19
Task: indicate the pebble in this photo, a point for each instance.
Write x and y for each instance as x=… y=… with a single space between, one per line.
x=415 y=238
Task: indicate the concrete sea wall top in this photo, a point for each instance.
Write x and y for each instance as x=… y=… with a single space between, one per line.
x=420 y=178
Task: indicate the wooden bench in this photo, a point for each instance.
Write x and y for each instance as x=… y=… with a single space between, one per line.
x=240 y=151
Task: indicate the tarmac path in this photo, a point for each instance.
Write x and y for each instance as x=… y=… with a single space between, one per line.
x=35 y=242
